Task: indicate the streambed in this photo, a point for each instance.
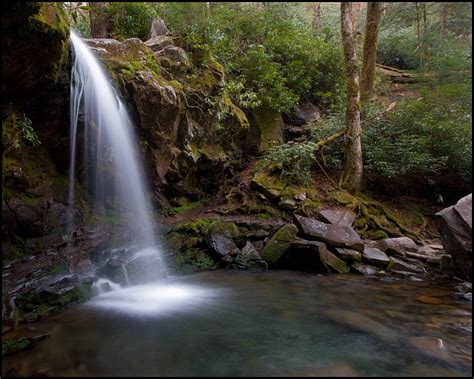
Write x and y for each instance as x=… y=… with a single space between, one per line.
x=283 y=323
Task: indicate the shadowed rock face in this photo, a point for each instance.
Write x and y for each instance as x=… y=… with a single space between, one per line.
x=455 y=226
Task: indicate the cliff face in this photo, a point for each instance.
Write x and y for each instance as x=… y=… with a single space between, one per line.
x=192 y=136
x=190 y=131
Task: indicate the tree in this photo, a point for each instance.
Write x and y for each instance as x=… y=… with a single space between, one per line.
x=98 y=19
x=351 y=178
x=369 y=54
x=316 y=23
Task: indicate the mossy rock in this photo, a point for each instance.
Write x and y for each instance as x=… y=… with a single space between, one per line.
x=271 y=186
x=279 y=243
x=34 y=305
x=15 y=345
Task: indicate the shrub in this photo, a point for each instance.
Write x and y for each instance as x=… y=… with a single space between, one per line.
x=130 y=19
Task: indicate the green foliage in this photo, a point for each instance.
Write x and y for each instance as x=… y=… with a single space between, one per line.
x=130 y=19
x=398 y=48
x=196 y=258
x=424 y=138
x=294 y=161
x=270 y=54
x=14 y=345
x=17 y=131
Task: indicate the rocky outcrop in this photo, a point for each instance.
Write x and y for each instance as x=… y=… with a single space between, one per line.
x=455 y=226
x=192 y=133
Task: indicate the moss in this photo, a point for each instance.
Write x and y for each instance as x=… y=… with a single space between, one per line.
x=184 y=208
x=33 y=305
x=269 y=185
x=194 y=260
x=279 y=243
x=197 y=227
x=15 y=345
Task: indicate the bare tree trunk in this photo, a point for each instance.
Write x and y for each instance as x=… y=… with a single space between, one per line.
x=417 y=9
x=316 y=24
x=98 y=20
x=442 y=19
x=369 y=55
x=351 y=178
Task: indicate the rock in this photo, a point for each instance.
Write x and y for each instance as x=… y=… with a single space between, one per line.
x=339 y=236
x=432 y=346
x=340 y=217
x=219 y=238
x=305 y=112
x=266 y=127
x=376 y=257
x=349 y=254
x=159 y=43
x=287 y=204
x=427 y=250
x=403 y=266
x=270 y=186
x=429 y=300
x=279 y=243
x=365 y=269
x=158 y=28
x=249 y=252
x=329 y=260
x=397 y=246
x=455 y=226
x=178 y=56
x=363 y=323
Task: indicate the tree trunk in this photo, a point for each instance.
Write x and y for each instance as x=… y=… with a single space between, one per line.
x=351 y=178
x=356 y=17
x=369 y=55
x=316 y=24
x=98 y=20
x=442 y=19
x=417 y=10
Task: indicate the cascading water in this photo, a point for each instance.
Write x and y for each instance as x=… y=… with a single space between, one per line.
x=112 y=172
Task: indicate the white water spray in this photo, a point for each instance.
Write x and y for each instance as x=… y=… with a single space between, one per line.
x=111 y=169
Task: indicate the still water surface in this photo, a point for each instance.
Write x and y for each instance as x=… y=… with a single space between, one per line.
x=225 y=323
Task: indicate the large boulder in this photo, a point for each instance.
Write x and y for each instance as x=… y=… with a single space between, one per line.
x=455 y=226
x=340 y=217
x=339 y=236
x=279 y=243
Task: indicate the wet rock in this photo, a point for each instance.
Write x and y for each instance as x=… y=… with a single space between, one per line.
x=455 y=226
x=349 y=254
x=429 y=300
x=219 y=237
x=36 y=304
x=398 y=264
x=432 y=346
x=365 y=269
x=340 y=217
x=376 y=257
x=14 y=341
x=363 y=323
x=427 y=250
x=279 y=243
x=339 y=236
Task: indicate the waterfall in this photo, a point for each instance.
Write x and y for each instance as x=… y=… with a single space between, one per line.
x=112 y=172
